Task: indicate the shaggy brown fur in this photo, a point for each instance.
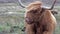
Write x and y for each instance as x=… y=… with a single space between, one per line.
x=39 y=20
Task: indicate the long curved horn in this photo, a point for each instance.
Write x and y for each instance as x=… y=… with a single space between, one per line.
x=20 y=3
x=53 y=5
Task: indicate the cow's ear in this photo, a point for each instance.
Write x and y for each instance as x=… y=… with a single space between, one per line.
x=54 y=12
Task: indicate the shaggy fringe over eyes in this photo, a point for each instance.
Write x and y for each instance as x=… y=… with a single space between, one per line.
x=33 y=4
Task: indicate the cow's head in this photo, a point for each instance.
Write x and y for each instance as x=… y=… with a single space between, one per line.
x=33 y=11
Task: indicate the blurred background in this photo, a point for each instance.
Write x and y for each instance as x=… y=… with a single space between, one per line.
x=12 y=15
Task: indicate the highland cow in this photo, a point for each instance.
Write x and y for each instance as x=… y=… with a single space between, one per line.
x=39 y=20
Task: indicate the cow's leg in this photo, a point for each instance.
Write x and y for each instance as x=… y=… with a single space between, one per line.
x=29 y=28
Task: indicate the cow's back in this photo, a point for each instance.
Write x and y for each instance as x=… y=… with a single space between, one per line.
x=47 y=23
